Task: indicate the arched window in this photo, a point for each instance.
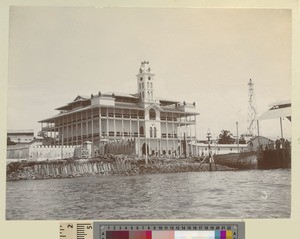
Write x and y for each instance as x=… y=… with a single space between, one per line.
x=154 y=131
x=151 y=95
x=151 y=134
x=148 y=84
x=148 y=95
x=152 y=114
x=141 y=131
x=143 y=94
x=142 y=84
x=151 y=85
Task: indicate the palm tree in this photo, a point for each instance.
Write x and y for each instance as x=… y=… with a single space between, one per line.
x=225 y=137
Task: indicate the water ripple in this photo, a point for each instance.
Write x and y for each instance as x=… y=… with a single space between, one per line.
x=240 y=194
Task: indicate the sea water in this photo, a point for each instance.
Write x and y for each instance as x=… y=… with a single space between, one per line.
x=192 y=195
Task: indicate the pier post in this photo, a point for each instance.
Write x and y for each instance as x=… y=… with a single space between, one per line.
x=281 y=127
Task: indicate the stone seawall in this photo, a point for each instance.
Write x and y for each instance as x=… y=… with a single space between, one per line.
x=102 y=166
x=63 y=169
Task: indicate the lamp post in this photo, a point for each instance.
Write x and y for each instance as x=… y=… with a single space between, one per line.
x=237 y=133
x=62 y=146
x=19 y=149
x=209 y=151
x=217 y=143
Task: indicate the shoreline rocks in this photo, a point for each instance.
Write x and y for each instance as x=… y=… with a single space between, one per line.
x=105 y=165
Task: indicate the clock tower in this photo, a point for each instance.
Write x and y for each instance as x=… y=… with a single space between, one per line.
x=145 y=83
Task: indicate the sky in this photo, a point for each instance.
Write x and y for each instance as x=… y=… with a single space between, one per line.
x=206 y=56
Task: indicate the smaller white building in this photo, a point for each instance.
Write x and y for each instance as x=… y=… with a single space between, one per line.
x=21 y=136
x=221 y=148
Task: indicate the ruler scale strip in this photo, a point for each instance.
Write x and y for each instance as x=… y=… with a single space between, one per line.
x=152 y=230
x=76 y=230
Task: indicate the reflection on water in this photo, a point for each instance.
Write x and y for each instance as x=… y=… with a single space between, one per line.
x=241 y=194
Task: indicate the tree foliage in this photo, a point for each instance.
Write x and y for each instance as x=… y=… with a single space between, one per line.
x=9 y=142
x=226 y=137
x=42 y=134
x=46 y=139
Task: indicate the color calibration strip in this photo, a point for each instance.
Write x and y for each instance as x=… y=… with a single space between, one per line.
x=225 y=234
x=174 y=230
x=152 y=230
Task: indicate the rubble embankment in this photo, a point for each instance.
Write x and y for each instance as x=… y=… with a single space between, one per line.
x=104 y=165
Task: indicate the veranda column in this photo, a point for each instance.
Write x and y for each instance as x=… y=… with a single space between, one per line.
x=167 y=136
x=81 y=128
x=114 y=115
x=107 y=125
x=92 y=124
x=174 y=149
x=100 y=126
x=138 y=128
x=130 y=126
x=186 y=131
x=86 y=125
x=190 y=121
x=76 y=120
x=197 y=151
x=122 y=123
x=72 y=128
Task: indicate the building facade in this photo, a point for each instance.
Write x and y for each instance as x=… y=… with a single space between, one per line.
x=159 y=127
x=21 y=136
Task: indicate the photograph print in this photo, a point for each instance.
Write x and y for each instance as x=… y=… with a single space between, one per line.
x=148 y=113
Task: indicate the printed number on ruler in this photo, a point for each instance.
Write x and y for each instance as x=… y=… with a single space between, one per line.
x=76 y=230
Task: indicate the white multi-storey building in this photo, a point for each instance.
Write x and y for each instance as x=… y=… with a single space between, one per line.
x=157 y=126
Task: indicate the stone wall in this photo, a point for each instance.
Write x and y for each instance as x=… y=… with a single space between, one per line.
x=17 y=152
x=63 y=169
x=54 y=152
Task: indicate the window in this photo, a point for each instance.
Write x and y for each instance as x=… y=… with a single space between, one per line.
x=151 y=95
x=142 y=84
x=149 y=78
x=152 y=114
x=148 y=94
x=148 y=84
x=154 y=130
x=141 y=130
x=151 y=85
x=141 y=78
x=151 y=132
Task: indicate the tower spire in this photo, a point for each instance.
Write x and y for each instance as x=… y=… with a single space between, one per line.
x=251 y=126
x=145 y=83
